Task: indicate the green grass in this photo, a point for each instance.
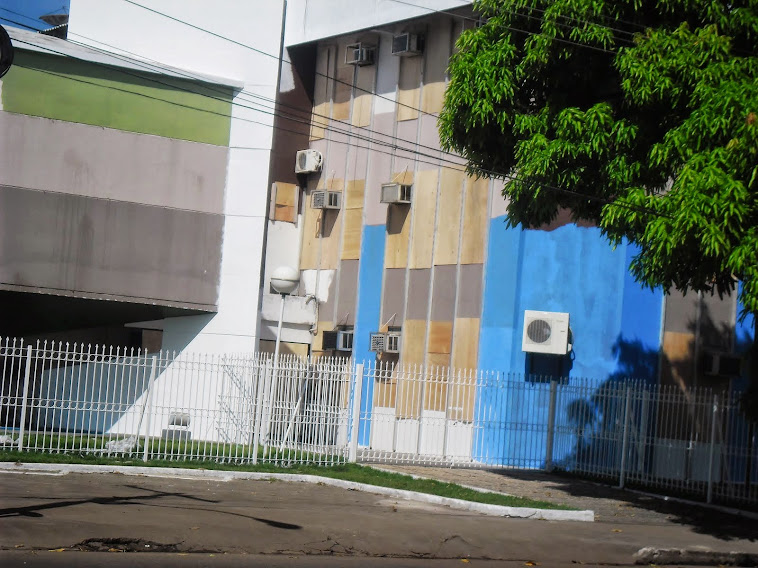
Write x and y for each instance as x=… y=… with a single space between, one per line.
x=348 y=472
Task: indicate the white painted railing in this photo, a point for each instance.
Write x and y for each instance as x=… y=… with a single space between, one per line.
x=245 y=408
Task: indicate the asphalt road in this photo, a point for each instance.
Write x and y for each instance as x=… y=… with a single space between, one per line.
x=90 y=519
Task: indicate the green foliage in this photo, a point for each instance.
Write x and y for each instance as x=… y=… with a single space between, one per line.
x=639 y=116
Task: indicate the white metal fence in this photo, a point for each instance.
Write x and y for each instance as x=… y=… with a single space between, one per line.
x=245 y=409
x=108 y=401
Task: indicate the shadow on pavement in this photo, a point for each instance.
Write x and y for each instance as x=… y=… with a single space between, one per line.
x=701 y=519
x=33 y=511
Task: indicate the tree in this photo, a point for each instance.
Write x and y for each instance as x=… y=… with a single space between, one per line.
x=639 y=116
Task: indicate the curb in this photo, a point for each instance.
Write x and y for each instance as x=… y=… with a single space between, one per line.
x=690 y=557
x=215 y=475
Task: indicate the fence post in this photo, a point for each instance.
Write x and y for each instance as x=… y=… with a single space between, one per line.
x=625 y=442
x=357 y=391
x=149 y=404
x=27 y=374
x=712 y=448
x=551 y=426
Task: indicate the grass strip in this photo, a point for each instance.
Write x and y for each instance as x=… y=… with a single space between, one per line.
x=347 y=472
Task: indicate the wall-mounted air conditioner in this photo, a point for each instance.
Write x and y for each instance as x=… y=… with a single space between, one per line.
x=546 y=332
x=721 y=364
x=339 y=340
x=326 y=200
x=344 y=341
x=377 y=341
x=308 y=161
x=385 y=342
x=407 y=44
x=393 y=343
x=396 y=193
x=359 y=54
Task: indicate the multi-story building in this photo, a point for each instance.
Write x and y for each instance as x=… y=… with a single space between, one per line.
x=390 y=234
x=134 y=174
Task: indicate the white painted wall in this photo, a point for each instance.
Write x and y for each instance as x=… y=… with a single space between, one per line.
x=119 y=26
x=310 y=20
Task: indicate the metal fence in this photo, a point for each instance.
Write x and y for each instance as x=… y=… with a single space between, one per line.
x=692 y=442
x=247 y=409
x=114 y=402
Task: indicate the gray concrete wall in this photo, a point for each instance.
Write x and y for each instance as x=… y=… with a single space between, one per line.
x=86 y=247
x=78 y=159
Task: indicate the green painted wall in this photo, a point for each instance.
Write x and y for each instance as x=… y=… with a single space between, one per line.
x=77 y=91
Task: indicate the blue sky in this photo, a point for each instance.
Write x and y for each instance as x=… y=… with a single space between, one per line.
x=29 y=11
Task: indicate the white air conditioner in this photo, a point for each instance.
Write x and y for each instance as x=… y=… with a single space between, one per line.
x=326 y=200
x=721 y=364
x=308 y=161
x=407 y=44
x=344 y=341
x=377 y=342
x=396 y=193
x=359 y=54
x=393 y=343
x=546 y=332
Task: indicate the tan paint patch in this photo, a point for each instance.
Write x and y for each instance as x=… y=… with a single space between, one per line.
x=678 y=349
x=362 y=99
x=398 y=229
x=449 y=225
x=475 y=220
x=285 y=202
x=440 y=337
x=435 y=388
x=309 y=255
x=343 y=89
x=433 y=97
x=424 y=208
x=354 y=193
x=413 y=340
x=322 y=94
x=409 y=88
x=331 y=238
x=466 y=343
x=351 y=235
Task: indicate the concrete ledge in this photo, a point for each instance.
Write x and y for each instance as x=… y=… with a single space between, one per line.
x=217 y=475
x=694 y=557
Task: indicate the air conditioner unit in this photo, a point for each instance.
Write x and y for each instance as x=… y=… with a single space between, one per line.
x=721 y=364
x=546 y=332
x=359 y=54
x=407 y=44
x=308 y=161
x=396 y=193
x=393 y=343
x=329 y=340
x=326 y=200
x=377 y=342
x=344 y=341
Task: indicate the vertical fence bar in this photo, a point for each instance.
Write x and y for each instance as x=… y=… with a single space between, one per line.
x=27 y=373
x=357 y=393
x=551 y=426
x=712 y=449
x=625 y=442
x=149 y=405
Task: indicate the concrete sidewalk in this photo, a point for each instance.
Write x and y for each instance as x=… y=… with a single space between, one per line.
x=102 y=512
x=610 y=505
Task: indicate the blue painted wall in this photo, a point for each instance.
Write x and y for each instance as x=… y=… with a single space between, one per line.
x=368 y=313
x=614 y=321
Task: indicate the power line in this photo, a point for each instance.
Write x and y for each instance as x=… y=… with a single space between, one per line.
x=270 y=55
x=438 y=160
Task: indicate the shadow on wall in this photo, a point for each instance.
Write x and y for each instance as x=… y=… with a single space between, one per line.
x=669 y=436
